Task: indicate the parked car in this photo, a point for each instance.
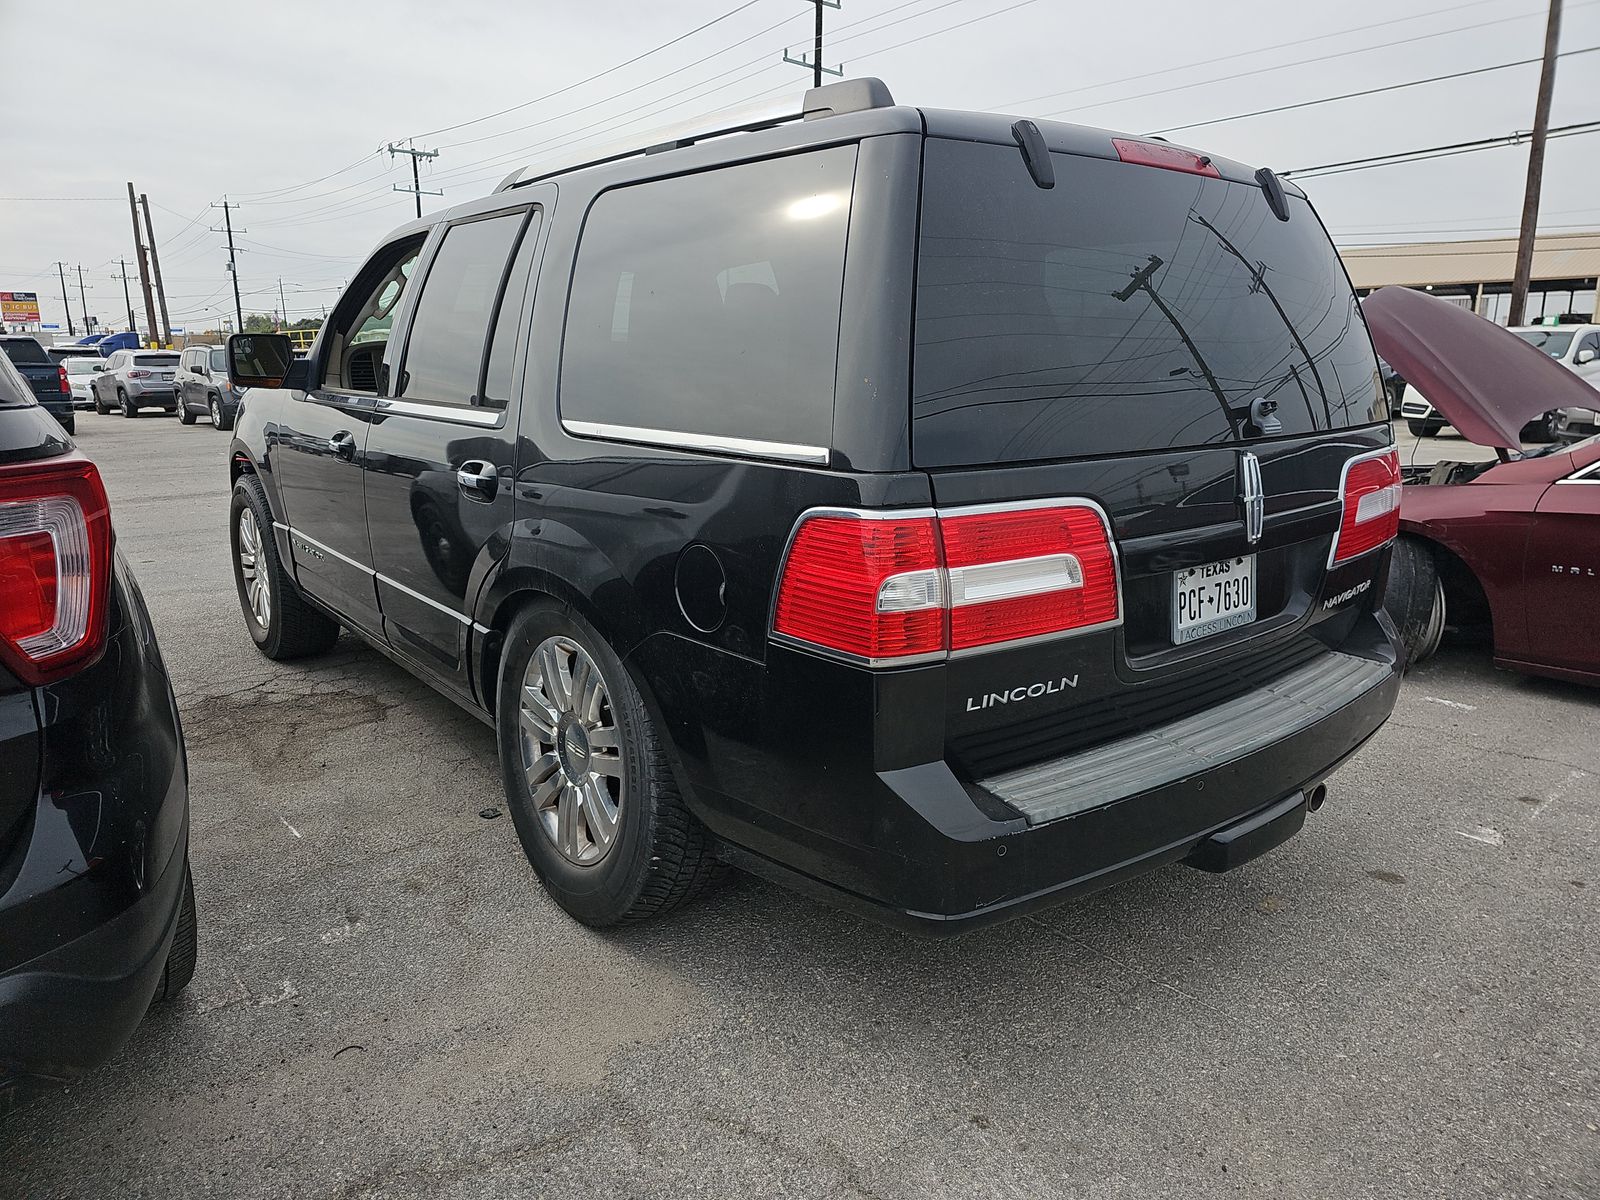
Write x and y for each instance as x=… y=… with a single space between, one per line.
x=1510 y=546
x=80 y=379
x=135 y=379
x=97 y=915
x=203 y=386
x=1577 y=348
x=1032 y=545
x=46 y=378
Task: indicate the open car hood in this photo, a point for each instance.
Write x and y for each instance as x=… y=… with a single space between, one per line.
x=1487 y=382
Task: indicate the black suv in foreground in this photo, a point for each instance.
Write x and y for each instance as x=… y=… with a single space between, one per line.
x=96 y=909
x=941 y=512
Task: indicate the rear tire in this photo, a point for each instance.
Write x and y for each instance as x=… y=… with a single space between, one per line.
x=1415 y=599
x=129 y=408
x=282 y=623
x=1418 y=428
x=99 y=405
x=657 y=855
x=1547 y=428
x=70 y=424
x=179 y=969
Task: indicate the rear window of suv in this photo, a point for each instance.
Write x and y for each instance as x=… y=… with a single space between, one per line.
x=24 y=350
x=1128 y=308
x=707 y=306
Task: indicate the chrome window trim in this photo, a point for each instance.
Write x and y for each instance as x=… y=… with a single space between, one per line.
x=1589 y=475
x=703 y=442
x=459 y=414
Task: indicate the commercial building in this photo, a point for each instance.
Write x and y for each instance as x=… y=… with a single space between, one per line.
x=1477 y=274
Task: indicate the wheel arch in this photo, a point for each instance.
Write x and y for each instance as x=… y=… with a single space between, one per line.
x=1464 y=592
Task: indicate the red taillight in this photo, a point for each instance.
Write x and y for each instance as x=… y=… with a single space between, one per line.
x=1371 y=495
x=891 y=588
x=55 y=567
x=1168 y=158
x=861 y=585
x=66 y=388
x=137 y=374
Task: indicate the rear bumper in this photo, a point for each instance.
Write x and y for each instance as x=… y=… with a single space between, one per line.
x=920 y=848
x=91 y=885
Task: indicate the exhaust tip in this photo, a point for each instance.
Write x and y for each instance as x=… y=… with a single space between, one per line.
x=1316 y=796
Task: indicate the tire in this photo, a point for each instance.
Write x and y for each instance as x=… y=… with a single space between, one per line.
x=1418 y=428
x=284 y=624
x=70 y=424
x=1415 y=600
x=658 y=854
x=220 y=418
x=129 y=408
x=179 y=968
x=99 y=405
x=185 y=416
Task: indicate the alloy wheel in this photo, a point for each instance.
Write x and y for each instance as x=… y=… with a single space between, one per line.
x=216 y=413
x=571 y=751
x=257 y=587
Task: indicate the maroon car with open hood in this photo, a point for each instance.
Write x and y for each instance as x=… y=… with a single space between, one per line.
x=1512 y=545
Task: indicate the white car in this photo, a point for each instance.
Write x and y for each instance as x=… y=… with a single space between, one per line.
x=81 y=371
x=1576 y=347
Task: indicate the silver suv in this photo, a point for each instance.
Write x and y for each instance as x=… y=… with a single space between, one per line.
x=204 y=388
x=135 y=379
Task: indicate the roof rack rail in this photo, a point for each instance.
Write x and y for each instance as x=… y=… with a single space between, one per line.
x=829 y=100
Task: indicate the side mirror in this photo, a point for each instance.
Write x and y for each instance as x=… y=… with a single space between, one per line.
x=201 y=369
x=259 y=359
x=1585 y=356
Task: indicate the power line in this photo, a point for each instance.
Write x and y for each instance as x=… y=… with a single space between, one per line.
x=416 y=188
x=1392 y=87
x=1305 y=62
x=1427 y=152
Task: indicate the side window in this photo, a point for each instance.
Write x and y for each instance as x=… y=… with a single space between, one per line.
x=219 y=361
x=709 y=304
x=359 y=326
x=498 y=365
x=445 y=348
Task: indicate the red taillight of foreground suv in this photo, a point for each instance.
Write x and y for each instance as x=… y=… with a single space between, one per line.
x=55 y=567
x=1371 y=495
x=893 y=588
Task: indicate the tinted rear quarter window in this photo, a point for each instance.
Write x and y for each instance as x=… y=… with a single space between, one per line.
x=1128 y=308
x=708 y=304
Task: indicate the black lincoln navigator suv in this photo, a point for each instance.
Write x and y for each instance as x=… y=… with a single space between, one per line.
x=938 y=511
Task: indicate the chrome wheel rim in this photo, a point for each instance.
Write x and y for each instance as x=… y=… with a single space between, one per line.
x=571 y=752
x=216 y=413
x=257 y=588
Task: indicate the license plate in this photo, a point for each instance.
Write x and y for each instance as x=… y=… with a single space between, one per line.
x=1210 y=598
x=166 y=375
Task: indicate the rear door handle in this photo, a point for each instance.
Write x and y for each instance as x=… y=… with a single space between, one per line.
x=478 y=480
x=343 y=445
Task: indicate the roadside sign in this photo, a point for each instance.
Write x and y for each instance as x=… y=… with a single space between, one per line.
x=179 y=329
x=19 y=308
x=49 y=326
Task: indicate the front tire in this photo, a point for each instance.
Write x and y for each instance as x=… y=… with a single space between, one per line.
x=282 y=623
x=219 y=419
x=591 y=794
x=185 y=416
x=1415 y=599
x=1547 y=428
x=100 y=405
x=1419 y=428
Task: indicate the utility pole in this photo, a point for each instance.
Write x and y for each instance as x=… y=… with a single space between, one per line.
x=233 y=262
x=814 y=65
x=283 y=305
x=416 y=183
x=127 y=299
x=61 y=272
x=83 y=299
x=144 y=265
x=1530 y=197
x=155 y=267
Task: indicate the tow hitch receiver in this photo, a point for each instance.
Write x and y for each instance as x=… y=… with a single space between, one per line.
x=1256 y=834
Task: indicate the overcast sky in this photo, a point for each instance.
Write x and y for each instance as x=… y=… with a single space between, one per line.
x=284 y=109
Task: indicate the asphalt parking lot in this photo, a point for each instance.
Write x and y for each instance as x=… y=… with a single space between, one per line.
x=1399 y=1002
